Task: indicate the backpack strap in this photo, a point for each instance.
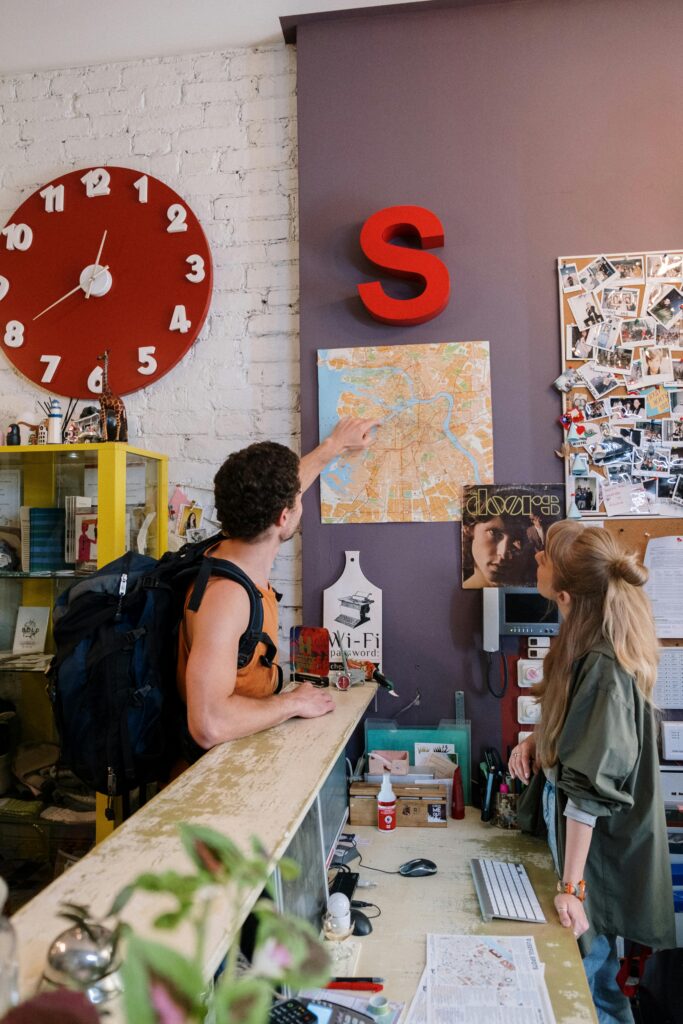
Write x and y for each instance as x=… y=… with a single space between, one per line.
x=253 y=634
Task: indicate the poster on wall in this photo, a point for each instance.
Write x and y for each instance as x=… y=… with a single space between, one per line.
x=503 y=528
x=434 y=404
x=622 y=381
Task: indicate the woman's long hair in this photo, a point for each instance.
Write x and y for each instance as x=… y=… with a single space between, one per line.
x=605 y=584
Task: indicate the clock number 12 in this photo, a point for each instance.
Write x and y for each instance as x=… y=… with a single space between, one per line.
x=97 y=182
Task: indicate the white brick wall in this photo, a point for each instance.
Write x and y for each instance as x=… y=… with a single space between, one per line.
x=220 y=128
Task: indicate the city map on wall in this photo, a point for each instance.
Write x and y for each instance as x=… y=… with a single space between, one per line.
x=622 y=382
x=434 y=404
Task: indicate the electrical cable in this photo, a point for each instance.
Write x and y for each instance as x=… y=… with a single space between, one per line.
x=370 y=868
x=487 y=675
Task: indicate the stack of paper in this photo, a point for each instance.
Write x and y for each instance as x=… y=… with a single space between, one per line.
x=481 y=979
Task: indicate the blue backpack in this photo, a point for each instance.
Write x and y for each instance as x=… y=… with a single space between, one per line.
x=112 y=680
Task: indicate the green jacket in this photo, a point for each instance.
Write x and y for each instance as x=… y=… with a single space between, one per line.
x=608 y=765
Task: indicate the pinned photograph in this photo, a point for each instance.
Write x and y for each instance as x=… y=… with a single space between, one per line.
x=672 y=432
x=189 y=518
x=656 y=366
x=630 y=407
x=577 y=401
x=586 y=309
x=503 y=528
x=665 y=487
x=586 y=492
x=651 y=430
x=619 y=472
x=654 y=463
x=598 y=380
x=667 y=308
x=667 y=266
x=633 y=435
x=616 y=359
x=621 y=499
x=634 y=379
x=595 y=410
x=676 y=399
x=606 y=334
x=641 y=330
x=671 y=336
x=628 y=269
x=567 y=380
x=596 y=273
x=676 y=460
x=578 y=344
x=569 y=277
x=677 y=366
x=620 y=302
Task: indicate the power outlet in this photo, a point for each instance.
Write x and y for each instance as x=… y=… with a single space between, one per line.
x=528 y=711
x=529 y=672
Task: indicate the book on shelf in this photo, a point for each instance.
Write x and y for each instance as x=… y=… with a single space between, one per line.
x=42 y=539
x=30 y=632
x=85 y=524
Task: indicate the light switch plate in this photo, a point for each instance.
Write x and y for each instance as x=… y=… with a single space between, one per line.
x=528 y=710
x=529 y=672
x=672 y=741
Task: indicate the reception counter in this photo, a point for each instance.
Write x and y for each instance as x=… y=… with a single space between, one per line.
x=259 y=786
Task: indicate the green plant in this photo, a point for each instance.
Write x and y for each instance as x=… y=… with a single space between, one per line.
x=162 y=986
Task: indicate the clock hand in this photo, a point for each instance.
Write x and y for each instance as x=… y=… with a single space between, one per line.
x=76 y=289
x=97 y=260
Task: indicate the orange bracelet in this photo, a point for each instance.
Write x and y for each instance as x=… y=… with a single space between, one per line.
x=569 y=889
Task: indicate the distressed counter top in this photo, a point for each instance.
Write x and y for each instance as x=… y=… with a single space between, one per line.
x=261 y=786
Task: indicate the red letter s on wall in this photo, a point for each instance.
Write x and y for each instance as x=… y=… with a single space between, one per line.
x=375 y=241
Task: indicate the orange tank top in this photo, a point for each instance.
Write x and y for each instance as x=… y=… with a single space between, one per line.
x=254 y=679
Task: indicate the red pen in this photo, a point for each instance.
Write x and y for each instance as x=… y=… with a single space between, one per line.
x=359 y=986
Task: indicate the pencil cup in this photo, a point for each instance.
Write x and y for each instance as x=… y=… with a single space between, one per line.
x=506 y=810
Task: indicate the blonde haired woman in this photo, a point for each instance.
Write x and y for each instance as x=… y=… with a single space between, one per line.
x=597 y=746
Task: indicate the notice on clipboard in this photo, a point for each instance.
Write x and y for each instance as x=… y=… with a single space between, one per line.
x=664 y=561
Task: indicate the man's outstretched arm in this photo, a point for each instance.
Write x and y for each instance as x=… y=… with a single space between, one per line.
x=349 y=435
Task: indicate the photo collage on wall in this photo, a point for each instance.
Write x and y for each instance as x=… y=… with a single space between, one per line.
x=621 y=322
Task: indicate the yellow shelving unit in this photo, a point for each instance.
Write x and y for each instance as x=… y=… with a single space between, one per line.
x=129 y=484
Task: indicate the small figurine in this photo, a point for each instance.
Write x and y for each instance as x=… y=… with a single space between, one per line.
x=111 y=403
x=13 y=434
x=54 y=422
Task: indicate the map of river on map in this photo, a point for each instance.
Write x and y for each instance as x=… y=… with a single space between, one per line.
x=435 y=437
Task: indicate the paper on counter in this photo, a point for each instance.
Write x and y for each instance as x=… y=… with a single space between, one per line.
x=664 y=559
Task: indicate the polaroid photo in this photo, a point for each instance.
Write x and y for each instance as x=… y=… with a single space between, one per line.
x=676 y=400
x=677 y=494
x=610 y=449
x=634 y=379
x=665 y=266
x=665 y=490
x=657 y=402
x=595 y=410
x=640 y=330
x=600 y=269
x=656 y=366
x=567 y=380
x=621 y=302
x=628 y=407
x=577 y=344
x=605 y=335
x=652 y=431
x=672 y=432
x=599 y=381
x=628 y=270
x=676 y=459
x=586 y=492
x=619 y=472
x=590 y=432
x=649 y=484
x=569 y=277
x=576 y=402
x=189 y=518
x=671 y=336
x=677 y=367
x=618 y=359
x=586 y=309
x=633 y=435
x=667 y=308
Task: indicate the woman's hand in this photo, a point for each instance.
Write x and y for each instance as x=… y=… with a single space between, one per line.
x=571 y=913
x=521 y=762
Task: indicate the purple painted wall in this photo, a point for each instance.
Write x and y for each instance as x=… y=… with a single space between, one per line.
x=533 y=130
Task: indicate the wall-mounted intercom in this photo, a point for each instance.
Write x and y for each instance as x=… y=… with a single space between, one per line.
x=528 y=711
x=529 y=673
x=516 y=611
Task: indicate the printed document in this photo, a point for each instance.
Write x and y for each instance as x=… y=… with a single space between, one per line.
x=664 y=560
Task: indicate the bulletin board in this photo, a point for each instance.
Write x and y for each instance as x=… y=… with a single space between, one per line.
x=621 y=318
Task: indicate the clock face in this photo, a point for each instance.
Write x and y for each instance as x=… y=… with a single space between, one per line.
x=102 y=259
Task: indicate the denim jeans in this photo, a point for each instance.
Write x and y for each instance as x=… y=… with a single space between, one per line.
x=601 y=964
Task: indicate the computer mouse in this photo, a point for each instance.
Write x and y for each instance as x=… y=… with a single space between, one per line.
x=417 y=867
x=361 y=923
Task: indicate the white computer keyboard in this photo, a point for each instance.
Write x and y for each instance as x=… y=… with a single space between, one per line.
x=504 y=890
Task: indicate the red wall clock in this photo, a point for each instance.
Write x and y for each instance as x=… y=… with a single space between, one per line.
x=102 y=258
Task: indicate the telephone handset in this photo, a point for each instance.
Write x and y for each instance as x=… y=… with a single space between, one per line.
x=490 y=626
